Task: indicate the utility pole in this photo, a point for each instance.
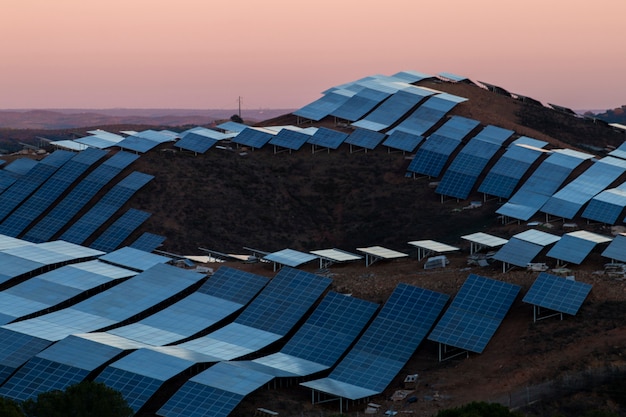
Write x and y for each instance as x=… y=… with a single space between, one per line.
x=239 y=100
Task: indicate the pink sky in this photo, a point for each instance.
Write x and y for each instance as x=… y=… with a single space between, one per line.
x=283 y=54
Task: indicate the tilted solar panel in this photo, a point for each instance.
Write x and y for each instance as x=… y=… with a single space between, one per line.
x=557 y=293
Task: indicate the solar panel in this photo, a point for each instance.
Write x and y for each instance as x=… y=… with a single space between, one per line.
x=557 y=293
x=411 y=76
x=428 y=114
x=510 y=168
x=432 y=156
x=364 y=138
x=457 y=127
x=569 y=200
x=360 y=104
x=114 y=236
x=327 y=138
x=607 y=206
x=575 y=247
x=215 y=392
x=137 y=144
x=475 y=313
x=393 y=108
x=616 y=249
x=148 y=242
x=518 y=252
x=16 y=349
x=161 y=136
x=252 y=137
x=403 y=141
x=108 y=205
x=20 y=166
x=29 y=182
x=65 y=363
x=544 y=182
x=481 y=240
x=373 y=362
x=290 y=257
x=289 y=139
x=196 y=142
x=13 y=266
x=78 y=197
x=325 y=105
x=134 y=258
x=464 y=170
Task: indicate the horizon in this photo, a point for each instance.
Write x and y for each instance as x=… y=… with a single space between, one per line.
x=209 y=57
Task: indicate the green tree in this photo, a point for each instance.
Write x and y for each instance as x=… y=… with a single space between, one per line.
x=9 y=408
x=479 y=409
x=85 y=399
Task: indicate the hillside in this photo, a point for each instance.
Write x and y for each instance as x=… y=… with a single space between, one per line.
x=229 y=198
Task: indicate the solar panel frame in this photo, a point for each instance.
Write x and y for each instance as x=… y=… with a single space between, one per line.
x=364 y=138
x=616 y=250
x=289 y=139
x=252 y=137
x=327 y=138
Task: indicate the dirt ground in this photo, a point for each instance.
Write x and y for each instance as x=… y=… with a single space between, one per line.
x=520 y=354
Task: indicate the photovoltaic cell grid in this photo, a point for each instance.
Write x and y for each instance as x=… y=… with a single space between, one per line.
x=543 y=182
x=66 y=362
x=317 y=345
x=196 y=142
x=49 y=191
x=518 y=252
x=475 y=313
x=78 y=197
x=569 y=200
x=213 y=393
x=360 y=104
x=136 y=259
x=575 y=247
x=509 y=169
x=148 y=242
x=616 y=250
x=373 y=362
x=393 y=109
x=28 y=183
x=403 y=141
x=327 y=138
x=286 y=299
x=557 y=293
x=428 y=114
x=20 y=166
x=411 y=76
x=16 y=349
x=137 y=143
x=432 y=156
x=6 y=179
x=364 y=138
x=607 y=206
x=115 y=235
x=289 y=139
x=253 y=138
x=102 y=211
x=13 y=266
x=325 y=105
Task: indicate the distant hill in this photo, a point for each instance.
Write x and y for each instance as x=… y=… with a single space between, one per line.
x=75 y=118
x=617 y=115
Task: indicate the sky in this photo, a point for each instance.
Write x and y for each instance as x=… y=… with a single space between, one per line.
x=281 y=54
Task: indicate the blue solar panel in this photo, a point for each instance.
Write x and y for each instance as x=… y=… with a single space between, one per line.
x=233 y=285
x=360 y=104
x=571 y=249
x=428 y=114
x=364 y=138
x=286 y=299
x=114 y=236
x=325 y=105
x=557 y=293
x=289 y=139
x=607 y=206
x=196 y=142
x=137 y=144
x=570 y=199
x=16 y=349
x=509 y=169
x=6 y=179
x=28 y=183
x=393 y=109
x=411 y=76
x=457 y=127
x=20 y=166
x=518 y=252
x=135 y=388
x=44 y=197
x=616 y=249
x=105 y=208
x=148 y=242
x=403 y=141
x=475 y=313
x=432 y=156
x=328 y=138
x=63 y=212
x=253 y=138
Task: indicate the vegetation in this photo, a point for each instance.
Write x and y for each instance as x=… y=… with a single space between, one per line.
x=479 y=409
x=617 y=115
